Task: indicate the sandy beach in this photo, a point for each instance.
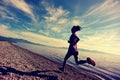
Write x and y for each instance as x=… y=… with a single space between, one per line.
x=20 y=64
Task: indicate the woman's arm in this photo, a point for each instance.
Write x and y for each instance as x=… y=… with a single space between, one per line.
x=76 y=40
x=73 y=39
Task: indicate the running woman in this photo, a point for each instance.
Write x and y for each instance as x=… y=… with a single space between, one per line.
x=73 y=51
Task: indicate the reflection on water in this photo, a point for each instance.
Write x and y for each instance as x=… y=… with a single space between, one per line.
x=107 y=67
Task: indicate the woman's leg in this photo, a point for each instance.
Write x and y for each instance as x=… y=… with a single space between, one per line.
x=65 y=59
x=76 y=59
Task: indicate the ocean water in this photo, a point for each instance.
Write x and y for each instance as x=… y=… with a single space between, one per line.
x=107 y=65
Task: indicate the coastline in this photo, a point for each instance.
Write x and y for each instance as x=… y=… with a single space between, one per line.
x=18 y=63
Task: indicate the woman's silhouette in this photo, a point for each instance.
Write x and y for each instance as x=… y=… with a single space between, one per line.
x=72 y=50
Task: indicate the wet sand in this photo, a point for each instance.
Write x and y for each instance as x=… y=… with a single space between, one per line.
x=20 y=64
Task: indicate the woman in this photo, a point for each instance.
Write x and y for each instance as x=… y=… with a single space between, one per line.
x=72 y=50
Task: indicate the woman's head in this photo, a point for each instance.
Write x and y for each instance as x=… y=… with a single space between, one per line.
x=75 y=28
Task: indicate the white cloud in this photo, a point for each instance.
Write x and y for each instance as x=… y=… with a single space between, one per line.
x=4 y=14
x=91 y=23
x=54 y=13
x=44 y=32
x=109 y=7
x=22 y=5
x=56 y=17
x=102 y=14
x=4 y=31
x=62 y=21
x=113 y=26
x=56 y=29
x=76 y=22
x=4 y=27
x=112 y=18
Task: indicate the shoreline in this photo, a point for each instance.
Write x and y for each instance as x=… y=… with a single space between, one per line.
x=30 y=65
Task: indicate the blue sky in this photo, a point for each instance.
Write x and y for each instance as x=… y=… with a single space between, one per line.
x=49 y=22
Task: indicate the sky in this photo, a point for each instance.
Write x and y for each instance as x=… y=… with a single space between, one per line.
x=49 y=22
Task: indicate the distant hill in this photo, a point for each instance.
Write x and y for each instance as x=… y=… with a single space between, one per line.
x=15 y=40
x=10 y=39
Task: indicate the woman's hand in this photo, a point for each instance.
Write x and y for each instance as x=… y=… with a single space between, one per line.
x=68 y=41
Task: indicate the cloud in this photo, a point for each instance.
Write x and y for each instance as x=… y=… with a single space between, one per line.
x=56 y=29
x=113 y=26
x=62 y=21
x=55 y=19
x=109 y=7
x=112 y=18
x=4 y=31
x=91 y=23
x=4 y=14
x=53 y=13
x=21 y=5
x=102 y=14
x=76 y=22
x=47 y=33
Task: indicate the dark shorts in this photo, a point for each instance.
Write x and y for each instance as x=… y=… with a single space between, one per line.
x=71 y=51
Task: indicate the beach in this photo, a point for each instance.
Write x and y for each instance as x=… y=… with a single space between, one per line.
x=20 y=64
